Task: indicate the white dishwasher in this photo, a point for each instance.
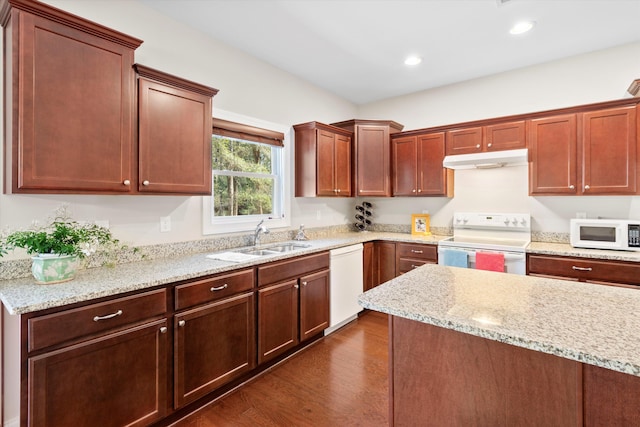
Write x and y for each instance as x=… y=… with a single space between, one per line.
x=346 y=284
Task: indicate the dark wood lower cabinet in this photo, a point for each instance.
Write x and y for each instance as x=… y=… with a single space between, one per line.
x=314 y=304
x=214 y=344
x=115 y=380
x=610 y=398
x=277 y=319
x=444 y=377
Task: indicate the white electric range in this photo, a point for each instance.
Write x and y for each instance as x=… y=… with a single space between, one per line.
x=506 y=233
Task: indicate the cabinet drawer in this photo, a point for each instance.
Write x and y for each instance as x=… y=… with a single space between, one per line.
x=213 y=288
x=56 y=328
x=293 y=268
x=585 y=269
x=423 y=252
x=407 y=264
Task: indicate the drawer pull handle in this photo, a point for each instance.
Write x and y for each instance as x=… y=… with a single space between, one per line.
x=582 y=268
x=108 y=316
x=182 y=323
x=163 y=330
x=416 y=251
x=219 y=288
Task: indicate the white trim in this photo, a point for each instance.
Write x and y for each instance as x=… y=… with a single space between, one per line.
x=249 y=222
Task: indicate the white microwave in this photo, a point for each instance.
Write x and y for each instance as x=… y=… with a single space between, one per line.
x=616 y=234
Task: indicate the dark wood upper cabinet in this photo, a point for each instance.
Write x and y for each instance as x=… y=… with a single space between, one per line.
x=417 y=166
x=372 y=155
x=552 y=155
x=592 y=152
x=495 y=137
x=70 y=91
x=609 y=151
x=71 y=112
x=174 y=134
x=322 y=160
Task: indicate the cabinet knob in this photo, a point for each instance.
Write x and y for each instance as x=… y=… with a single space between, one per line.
x=586 y=187
x=572 y=186
x=181 y=323
x=296 y=286
x=126 y=182
x=489 y=144
x=477 y=145
x=304 y=283
x=145 y=182
x=413 y=191
x=163 y=330
x=338 y=190
x=419 y=190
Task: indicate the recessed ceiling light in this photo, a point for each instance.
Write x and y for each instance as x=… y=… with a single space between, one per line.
x=412 y=60
x=522 y=27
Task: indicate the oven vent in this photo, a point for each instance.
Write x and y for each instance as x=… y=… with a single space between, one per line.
x=486 y=160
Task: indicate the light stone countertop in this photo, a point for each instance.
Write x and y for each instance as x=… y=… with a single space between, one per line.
x=585 y=322
x=565 y=249
x=21 y=296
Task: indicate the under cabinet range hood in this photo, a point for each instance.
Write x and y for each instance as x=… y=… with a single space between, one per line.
x=486 y=160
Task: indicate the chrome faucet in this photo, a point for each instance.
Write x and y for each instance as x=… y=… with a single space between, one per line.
x=256 y=235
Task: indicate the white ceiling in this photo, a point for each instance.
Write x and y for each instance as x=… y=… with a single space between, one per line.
x=356 y=48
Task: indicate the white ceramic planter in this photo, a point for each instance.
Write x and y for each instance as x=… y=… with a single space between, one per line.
x=54 y=268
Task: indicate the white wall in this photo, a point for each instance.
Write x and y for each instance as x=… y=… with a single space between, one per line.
x=247 y=86
x=252 y=88
x=594 y=77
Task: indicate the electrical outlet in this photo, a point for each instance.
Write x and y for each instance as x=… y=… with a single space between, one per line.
x=318 y=215
x=165 y=224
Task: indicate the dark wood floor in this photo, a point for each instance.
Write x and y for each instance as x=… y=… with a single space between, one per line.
x=342 y=380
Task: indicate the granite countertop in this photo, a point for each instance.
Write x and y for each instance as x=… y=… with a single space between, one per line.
x=585 y=322
x=21 y=296
x=565 y=249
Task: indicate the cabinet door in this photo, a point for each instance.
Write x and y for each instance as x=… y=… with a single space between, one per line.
x=70 y=131
x=385 y=256
x=610 y=397
x=326 y=185
x=342 y=160
x=609 y=151
x=464 y=141
x=552 y=154
x=174 y=139
x=404 y=166
x=277 y=319
x=213 y=345
x=116 y=380
x=369 y=266
x=433 y=178
x=373 y=161
x=314 y=304
x=505 y=136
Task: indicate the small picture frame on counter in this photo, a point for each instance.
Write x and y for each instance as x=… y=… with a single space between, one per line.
x=420 y=224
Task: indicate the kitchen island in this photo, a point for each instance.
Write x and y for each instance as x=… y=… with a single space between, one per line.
x=471 y=347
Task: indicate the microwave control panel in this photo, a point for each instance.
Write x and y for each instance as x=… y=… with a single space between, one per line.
x=633 y=234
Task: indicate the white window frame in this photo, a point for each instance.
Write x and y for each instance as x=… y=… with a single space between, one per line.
x=225 y=225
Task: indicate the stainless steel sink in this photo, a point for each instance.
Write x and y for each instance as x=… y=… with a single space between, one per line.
x=274 y=249
x=287 y=247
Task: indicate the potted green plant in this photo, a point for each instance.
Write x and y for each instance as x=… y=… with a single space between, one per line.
x=58 y=246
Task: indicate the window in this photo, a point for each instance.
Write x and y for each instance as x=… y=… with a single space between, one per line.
x=248 y=173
